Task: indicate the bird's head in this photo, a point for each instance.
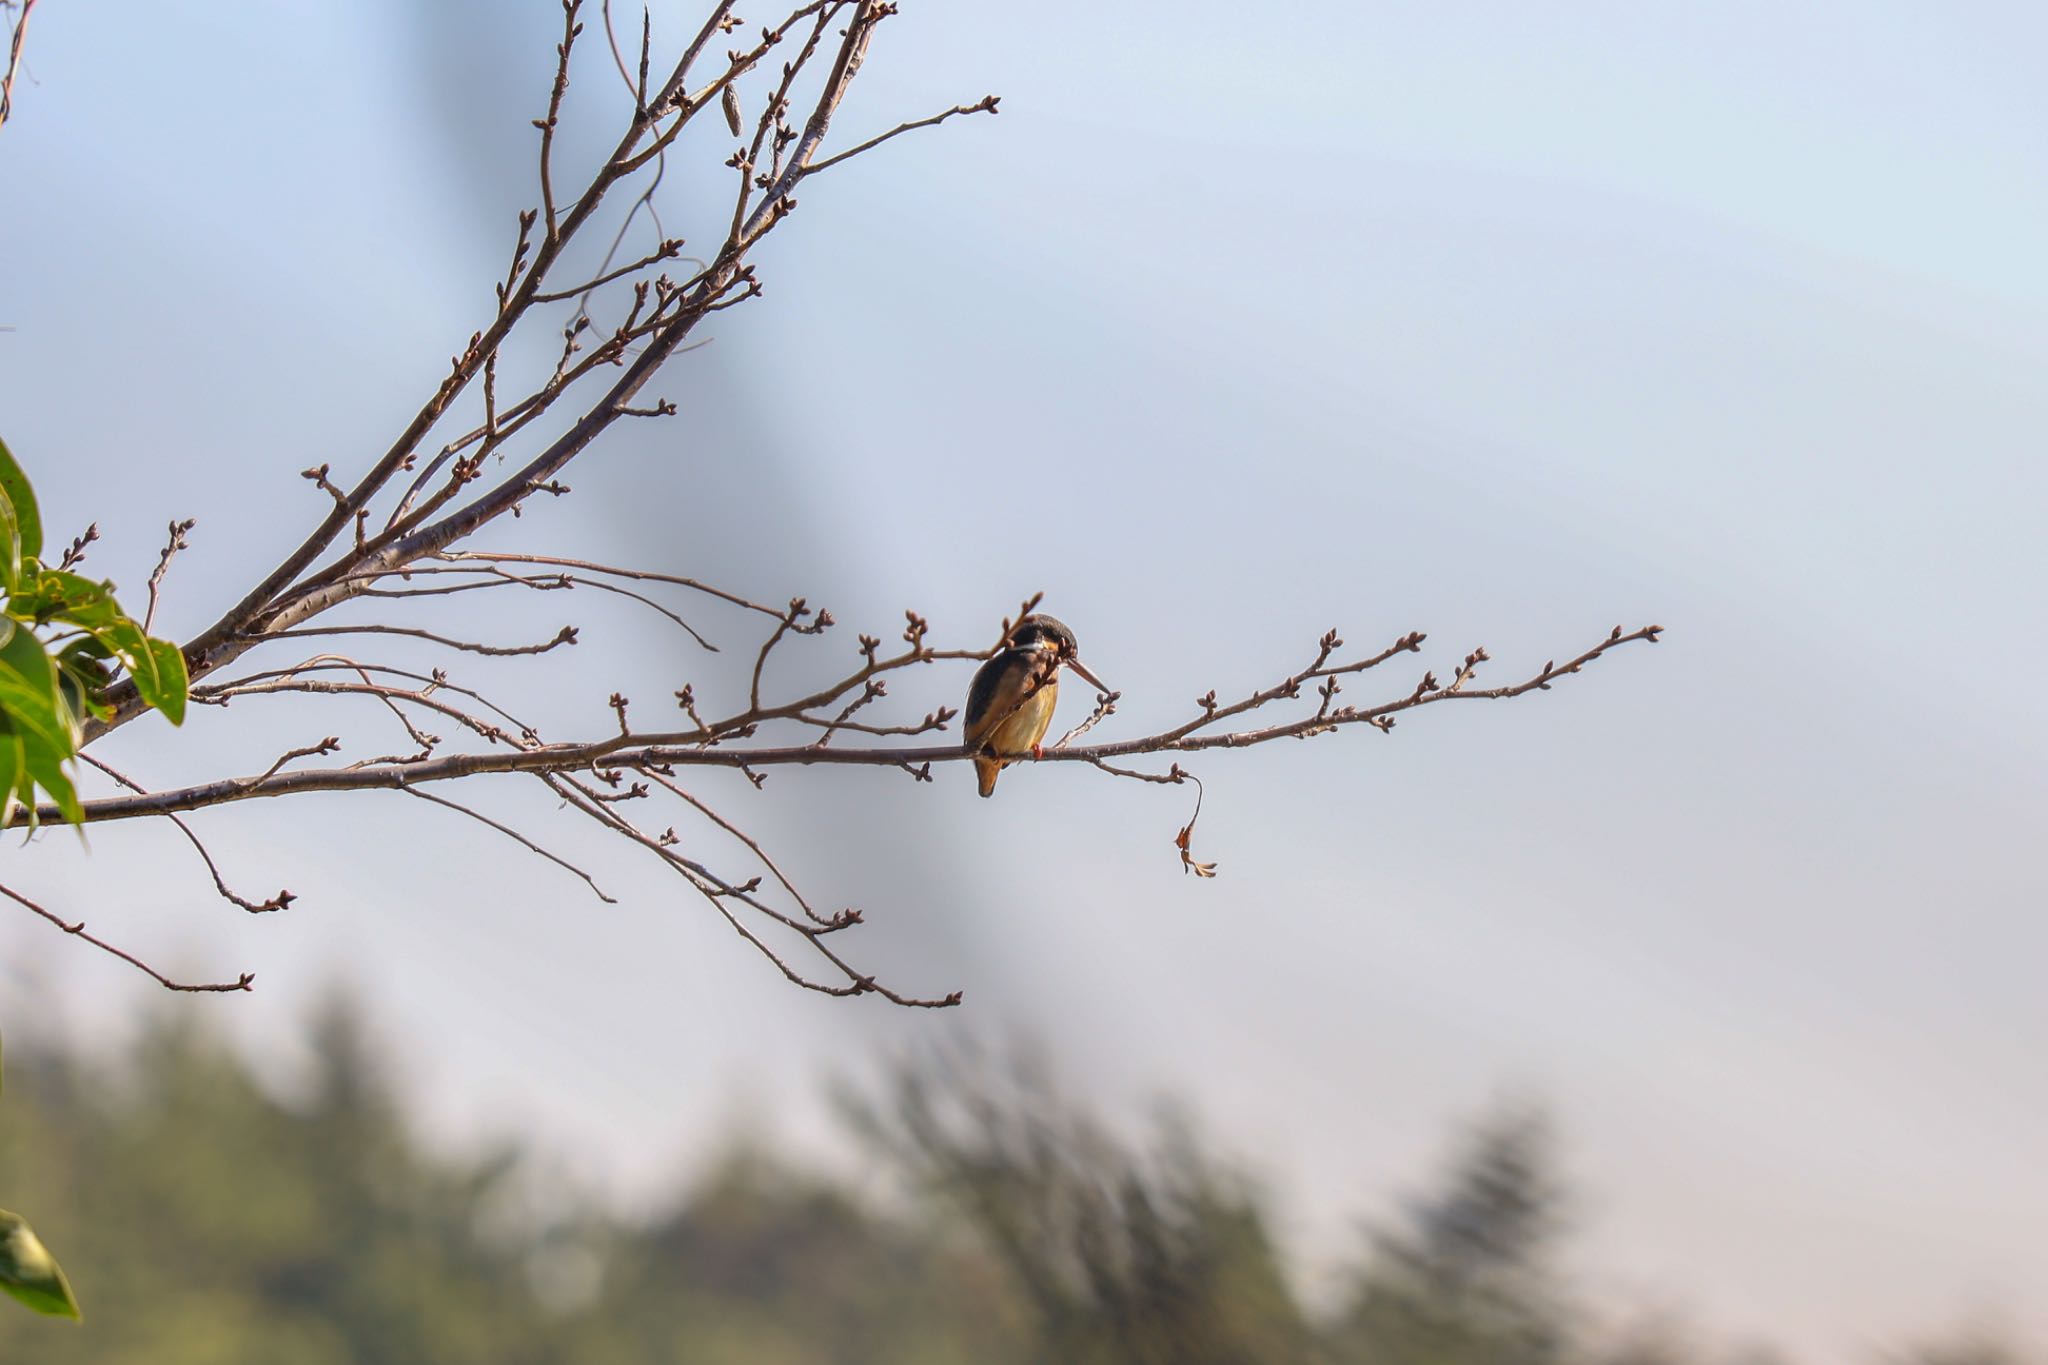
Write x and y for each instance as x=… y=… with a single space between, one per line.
x=1040 y=632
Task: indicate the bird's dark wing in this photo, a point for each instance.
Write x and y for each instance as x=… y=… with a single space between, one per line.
x=997 y=686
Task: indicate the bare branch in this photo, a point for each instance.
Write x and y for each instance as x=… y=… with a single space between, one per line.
x=667 y=251
x=544 y=403
x=688 y=749
x=547 y=126
x=278 y=902
x=797 y=611
x=839 y=921
x=175 y=543
x=76 y=552
x=1105 y=706
x=986 y=105
x=318 y=474
x=516 y=837
x=435 y=682
x=721 y=894
x=20 y=35
x=326 y=746
x=77 y=930
x=1171 y=778
x=609 y=570
x=230 y=635
x=565 y=636
x=573 y=580
x=664 y=315
x=390 y=696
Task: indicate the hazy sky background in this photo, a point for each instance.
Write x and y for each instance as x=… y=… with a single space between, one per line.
x=1505 y=324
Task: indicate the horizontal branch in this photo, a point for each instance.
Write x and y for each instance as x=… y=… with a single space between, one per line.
x=565 y=636
x=689 y=748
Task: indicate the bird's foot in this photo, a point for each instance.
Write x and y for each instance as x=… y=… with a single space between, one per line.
x=1037 y=751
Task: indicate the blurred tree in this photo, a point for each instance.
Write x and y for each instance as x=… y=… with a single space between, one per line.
x=29 y=1273
x=227 y=1226
x=1980 y=1344
x=1653 y=1339
x=1161 y=1258
x=1466 y=1278
x=765 y=1263
x=223 y=1226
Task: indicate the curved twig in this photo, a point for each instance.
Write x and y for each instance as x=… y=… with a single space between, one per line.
x=77 y=930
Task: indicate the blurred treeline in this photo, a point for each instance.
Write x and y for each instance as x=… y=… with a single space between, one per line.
x=206 y=1221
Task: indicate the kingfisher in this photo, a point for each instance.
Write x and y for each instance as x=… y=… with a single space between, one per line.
x=1009 y=706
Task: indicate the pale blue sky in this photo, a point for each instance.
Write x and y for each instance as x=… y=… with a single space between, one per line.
x=1509 y=325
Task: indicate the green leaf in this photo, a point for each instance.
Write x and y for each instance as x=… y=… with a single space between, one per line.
x=10 y=544
x=28 y=521
x=157 y=666
x=29 y=696
x=59 y=594
x=173 y=683
x=126 y=642
x=33 y=709
x=13 y=772
x=30 y=1273
x=83 y=675
x=46 y=766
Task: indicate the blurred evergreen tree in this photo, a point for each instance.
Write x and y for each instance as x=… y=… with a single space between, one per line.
x=1467 y=1278
x=216 y=1224
x=206 y=1221
x=1980 y=1344
x=762 y=1264
x=1159 y=1258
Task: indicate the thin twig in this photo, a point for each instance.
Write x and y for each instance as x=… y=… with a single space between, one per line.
x=14 y=59
x=75 y=552
x=175 y=543
x=612 y=570
x=436 y=681
x=839 y=921
x=278 y=902
x=718 y=892
x=986 y=105
x=547 y=126
x=565 y=636
x=77 y=930
x=516 y=837
x=1105 y=706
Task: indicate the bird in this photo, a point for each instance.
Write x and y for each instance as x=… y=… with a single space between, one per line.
x=1010 y=704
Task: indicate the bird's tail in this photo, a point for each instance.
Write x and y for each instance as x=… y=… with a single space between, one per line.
x=985 y=770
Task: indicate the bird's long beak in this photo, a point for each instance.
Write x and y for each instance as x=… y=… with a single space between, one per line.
x=1082 y=669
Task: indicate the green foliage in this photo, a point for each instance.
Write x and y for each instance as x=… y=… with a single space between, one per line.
x=61 y=637
x=225 y=1225
x=30 y=1273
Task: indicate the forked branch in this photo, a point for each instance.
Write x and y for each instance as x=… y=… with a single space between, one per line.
x=571 y=334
